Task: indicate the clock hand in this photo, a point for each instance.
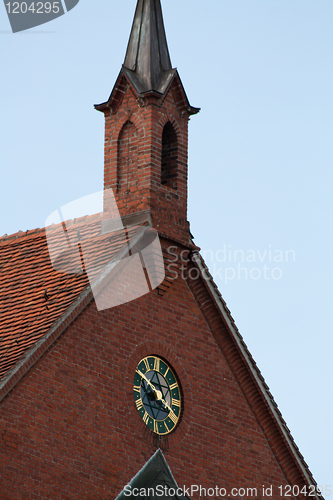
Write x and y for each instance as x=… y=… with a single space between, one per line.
x=165 y=404
x=157 y=393
x=159 y=397
x=142 y=375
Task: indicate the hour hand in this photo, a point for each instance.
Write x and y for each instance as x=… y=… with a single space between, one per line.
x=159 y=397
x=165 y=404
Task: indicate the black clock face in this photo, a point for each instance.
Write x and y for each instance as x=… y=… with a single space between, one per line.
x=157 y=395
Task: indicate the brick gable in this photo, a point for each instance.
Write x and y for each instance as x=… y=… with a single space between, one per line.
x=73 y=425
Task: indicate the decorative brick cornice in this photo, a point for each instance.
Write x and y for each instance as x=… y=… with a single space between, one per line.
x=247 y=374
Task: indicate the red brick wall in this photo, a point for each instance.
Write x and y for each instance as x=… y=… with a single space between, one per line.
x=71 y=430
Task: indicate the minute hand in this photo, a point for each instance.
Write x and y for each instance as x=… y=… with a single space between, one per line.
x=142 y=375
x=157 y=393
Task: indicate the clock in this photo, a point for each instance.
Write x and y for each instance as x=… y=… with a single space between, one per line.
x=157 y=395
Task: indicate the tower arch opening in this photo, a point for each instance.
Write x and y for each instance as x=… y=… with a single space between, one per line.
x=127 y=156
x=169 y=170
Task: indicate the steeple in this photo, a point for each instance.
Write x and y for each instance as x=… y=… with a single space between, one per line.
x=146 y=127
x=147 y=52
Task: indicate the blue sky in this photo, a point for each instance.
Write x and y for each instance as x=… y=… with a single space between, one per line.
x=260 y=165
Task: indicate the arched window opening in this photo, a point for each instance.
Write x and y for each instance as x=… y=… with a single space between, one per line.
x=127 y=156
x=169 y=156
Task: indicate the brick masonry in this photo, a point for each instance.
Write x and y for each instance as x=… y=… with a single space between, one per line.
x=141 y=188
x=71 y=430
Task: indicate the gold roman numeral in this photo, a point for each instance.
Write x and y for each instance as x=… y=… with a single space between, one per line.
x=176 y=402
x=155 y=426
x=174 y=386
x=145 y=417
x=137 y=388
x=173 y=417
x=166 y=425
x=156 y=364
x=147 y=364
x=139 y=404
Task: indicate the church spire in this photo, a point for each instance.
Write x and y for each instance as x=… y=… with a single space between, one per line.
x=147 y=51
x=146 y=130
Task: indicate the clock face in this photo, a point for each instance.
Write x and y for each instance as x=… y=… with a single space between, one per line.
x=157 y=395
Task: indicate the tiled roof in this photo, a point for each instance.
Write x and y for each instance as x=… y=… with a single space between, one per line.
x=33 y=294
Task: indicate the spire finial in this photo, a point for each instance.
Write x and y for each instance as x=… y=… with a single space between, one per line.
x=147 y=51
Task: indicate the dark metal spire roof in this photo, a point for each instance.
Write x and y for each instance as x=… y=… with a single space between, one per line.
x=147 y=52
x=147 y=66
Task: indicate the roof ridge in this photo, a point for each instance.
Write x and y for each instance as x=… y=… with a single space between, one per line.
x=20 y=234
x=39 y=230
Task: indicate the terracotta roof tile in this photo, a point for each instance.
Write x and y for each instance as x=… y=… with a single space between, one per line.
x=34 y=295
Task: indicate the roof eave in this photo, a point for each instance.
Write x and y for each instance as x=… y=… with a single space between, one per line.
x=140 y=90
x=225 y=313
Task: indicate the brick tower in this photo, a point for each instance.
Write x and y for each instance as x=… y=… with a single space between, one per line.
x=146 y=129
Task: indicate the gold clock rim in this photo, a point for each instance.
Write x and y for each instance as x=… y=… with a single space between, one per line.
x=179 y=389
